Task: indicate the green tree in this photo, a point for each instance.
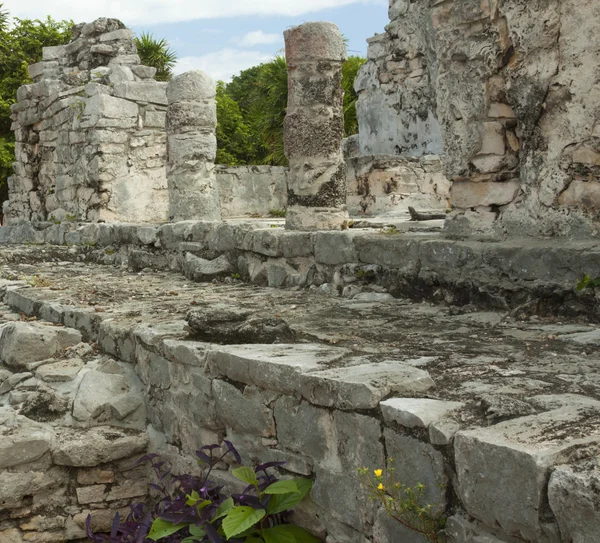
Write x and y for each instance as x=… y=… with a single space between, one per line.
x=20 y=45
x=234 y=140
x=158 y=54
x=349 y=71
x=261 y=93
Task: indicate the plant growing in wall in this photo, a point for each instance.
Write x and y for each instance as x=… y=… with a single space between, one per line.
x=194 y=510
x=404 y=503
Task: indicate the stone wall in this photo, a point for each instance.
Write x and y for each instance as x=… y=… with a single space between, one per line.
x=72 y=425
x=396 y=106
x=333 y=386
x=388 y=185
x=90 y=133
x=251 y=190
x=514 y=85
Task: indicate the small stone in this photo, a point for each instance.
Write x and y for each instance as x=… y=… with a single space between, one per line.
x=95 y=476
x=91 y=494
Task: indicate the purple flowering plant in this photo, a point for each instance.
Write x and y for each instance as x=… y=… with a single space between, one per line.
x=192 y=509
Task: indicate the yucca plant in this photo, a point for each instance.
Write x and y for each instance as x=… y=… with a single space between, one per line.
x=158 y=54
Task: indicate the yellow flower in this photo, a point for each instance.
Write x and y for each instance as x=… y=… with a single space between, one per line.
x=380 y=487
x=378 y=472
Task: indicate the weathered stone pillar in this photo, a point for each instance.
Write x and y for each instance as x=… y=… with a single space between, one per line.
x=314 y=127
x=192 y=147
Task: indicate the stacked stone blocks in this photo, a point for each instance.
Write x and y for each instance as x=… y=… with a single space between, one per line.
x=90 y=133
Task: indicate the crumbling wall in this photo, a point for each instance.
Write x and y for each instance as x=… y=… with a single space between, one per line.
x=515 y=85
x=384 y=184
x=396 y=106
x=251 y=190
x=90 y=133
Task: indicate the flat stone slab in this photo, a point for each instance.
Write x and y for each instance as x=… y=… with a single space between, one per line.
x=59 y=372
x=417 y=412
x=90 y=448
x=24 y=443
x=24 y=342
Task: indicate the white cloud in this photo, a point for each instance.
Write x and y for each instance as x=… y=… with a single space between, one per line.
x=148 y=12
x=222 y=65
x=258 y=37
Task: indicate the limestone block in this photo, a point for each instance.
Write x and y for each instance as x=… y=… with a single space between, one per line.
x=308 y=134
x=120 y=34
x=95 y=476
x=21 y=343
x=417 y=412
x=467 y=194
x=150 y=91
x=23 y=444
x=313 y=437
x=314 y=42
x=191 y=86
x=191 y=152
x=274 y=367
x=14 y=486
x=244 y=412
x=90 y=448
x=128 y=491
x=417 y=462
x=91 y=494
x=192 y=116
x=492 y=139
x=200 y=269
x=53 y=53
x=63 y=371
x=144 y=72
x=334 y=248
x=330 y=492
x=574 y=494
x=103 y=105
x=362 y=386
x=120 y=74
x=522 y=451
x=155 y=119
x=584 y=194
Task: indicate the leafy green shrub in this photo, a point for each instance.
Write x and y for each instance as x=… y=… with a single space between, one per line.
x=195 y=510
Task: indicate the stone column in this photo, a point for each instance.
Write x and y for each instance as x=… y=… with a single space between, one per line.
x=314 y=128
x=192 y=147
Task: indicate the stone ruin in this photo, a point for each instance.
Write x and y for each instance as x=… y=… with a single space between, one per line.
x=473 y=361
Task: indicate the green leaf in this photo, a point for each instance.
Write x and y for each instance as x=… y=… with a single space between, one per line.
x=282 y=502
x=163 y=528
x=223 y=509
x=241 y=518
x=197 y=531
x=282 y=487
x=193 y=498
x=301 y=535
x=245 y=474
x=252 y=539
x=278 y=534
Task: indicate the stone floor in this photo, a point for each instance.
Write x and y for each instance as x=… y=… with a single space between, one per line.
x=494 y=361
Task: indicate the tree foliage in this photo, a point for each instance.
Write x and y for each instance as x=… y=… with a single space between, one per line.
x=21 y=44
x=156 y=53
x=260 y=94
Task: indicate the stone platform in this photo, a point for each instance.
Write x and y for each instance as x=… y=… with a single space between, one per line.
x=501 y=407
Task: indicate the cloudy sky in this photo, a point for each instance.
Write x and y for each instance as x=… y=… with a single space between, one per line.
x=221 y=37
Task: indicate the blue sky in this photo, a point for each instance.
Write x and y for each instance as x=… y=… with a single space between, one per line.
x=221 y=37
